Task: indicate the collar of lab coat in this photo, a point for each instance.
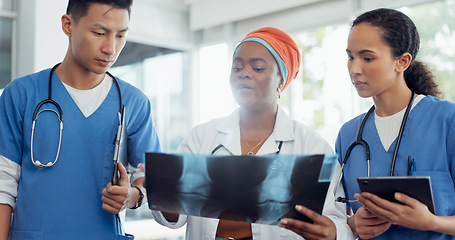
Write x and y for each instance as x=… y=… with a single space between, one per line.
x=229 y=130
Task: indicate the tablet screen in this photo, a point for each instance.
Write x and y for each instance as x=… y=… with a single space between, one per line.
x=418 y=187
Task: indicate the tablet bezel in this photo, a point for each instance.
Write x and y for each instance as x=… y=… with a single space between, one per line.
x=418 y=187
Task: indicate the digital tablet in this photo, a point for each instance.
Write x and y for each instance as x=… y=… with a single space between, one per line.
x=418 y=187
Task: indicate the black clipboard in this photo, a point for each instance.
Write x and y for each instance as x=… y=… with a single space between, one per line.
x=418 y=187
x=120 y=142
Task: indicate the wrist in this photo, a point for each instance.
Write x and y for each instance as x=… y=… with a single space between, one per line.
x=434 y=224
x=139 y=199
x=351 y=224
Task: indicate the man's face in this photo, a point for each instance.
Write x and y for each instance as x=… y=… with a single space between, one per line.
x=97 y=38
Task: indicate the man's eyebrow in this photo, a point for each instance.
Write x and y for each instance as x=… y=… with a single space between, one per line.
x=124 y=30
x=107 y=29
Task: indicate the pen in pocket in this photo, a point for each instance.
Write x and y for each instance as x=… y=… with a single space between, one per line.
x=411 y=166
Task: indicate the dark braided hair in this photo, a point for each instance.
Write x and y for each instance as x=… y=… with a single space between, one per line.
x=79 y=8
x=400 y=33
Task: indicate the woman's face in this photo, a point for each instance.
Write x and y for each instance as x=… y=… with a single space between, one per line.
x=255 y=76
x=371 y=64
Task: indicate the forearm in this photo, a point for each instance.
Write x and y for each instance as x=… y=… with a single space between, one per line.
x=5 y=220
x=444 y=224
x=139 y=182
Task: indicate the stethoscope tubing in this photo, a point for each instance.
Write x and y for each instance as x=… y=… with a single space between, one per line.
x=37 y=162
x=59 y=114
x=359 y=141
x=222 y=146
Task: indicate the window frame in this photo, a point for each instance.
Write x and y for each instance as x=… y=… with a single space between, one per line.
x=12 y=15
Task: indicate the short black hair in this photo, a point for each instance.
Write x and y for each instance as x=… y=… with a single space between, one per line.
x=79 y=8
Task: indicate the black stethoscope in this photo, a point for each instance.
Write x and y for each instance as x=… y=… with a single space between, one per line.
x=359 y=141
x=60 y=117
x=222 y=146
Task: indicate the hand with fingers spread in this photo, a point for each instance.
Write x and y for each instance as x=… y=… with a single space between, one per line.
x=118 y=197
x=368 y=225
x=411 y=214
x=321 y=228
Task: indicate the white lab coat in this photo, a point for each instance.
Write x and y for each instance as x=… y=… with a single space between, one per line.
x=297 y=139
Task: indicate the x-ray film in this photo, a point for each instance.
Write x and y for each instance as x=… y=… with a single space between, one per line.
x=255 y=189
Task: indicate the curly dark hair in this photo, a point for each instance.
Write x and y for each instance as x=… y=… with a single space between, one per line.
x=79 y=8
x=400 y=33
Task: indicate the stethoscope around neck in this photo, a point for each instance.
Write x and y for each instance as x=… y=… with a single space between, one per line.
x=222 y=146
x=359 y=141
x=59 y=114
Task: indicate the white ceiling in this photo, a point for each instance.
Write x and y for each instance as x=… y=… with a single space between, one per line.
x=209 y=13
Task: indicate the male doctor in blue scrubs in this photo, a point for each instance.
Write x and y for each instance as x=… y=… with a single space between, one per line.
x=71 y=197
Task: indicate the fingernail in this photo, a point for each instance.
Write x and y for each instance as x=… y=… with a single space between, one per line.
x=299 y=208
x=397 y=195
x=283 y=221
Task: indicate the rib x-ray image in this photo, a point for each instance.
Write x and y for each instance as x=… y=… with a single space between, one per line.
x=255 y=189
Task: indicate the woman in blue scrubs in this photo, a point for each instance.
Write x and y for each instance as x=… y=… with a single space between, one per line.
x=382 y=48
x=73 y=198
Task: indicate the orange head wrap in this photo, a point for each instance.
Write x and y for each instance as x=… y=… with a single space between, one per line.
x=283 y=49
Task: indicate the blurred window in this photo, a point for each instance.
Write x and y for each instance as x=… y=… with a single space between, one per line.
x=6 y=50
x=322 y=96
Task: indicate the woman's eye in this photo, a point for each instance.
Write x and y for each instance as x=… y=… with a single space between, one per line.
x=258 y=69
x=98 y=33
x=236 y=69
x=350 y=58
x=368 y=59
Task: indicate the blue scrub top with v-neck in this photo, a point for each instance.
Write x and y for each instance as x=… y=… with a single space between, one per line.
x=64 y=201
x=428 y=137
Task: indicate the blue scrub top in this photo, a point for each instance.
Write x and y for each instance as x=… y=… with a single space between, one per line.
x=428 y=137
x=64 y=201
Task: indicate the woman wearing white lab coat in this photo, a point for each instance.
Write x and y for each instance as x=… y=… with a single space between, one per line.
x=259 y=126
